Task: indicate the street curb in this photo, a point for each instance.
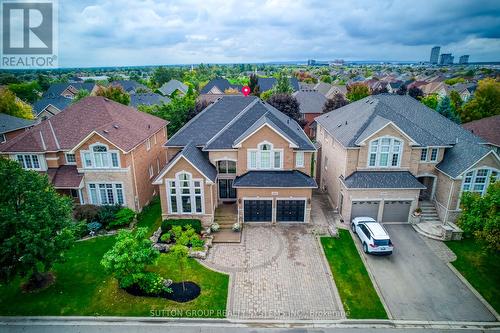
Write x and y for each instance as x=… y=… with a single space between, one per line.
x=474 y=291
x=208 y=322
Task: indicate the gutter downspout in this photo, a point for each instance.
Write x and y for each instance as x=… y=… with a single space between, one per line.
x=449 y=201
x=136 y=197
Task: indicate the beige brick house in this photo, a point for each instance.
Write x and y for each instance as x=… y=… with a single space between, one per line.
x=238 y=151
x=384 y=155
x=97 y=151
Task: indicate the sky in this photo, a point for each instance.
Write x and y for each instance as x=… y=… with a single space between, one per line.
x=149 y=32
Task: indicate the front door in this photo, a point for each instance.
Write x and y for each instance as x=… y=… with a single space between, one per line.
x=226 y=190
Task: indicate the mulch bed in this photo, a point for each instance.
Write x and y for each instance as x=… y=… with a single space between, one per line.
x=179 y=294
x=33 y=285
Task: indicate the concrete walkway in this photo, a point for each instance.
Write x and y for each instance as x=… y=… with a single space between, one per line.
x=277 y=272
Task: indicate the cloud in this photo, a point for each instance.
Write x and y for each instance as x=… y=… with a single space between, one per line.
x=126 y=32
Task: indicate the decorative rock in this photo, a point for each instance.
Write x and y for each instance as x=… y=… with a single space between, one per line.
x=156 y=236
x=333 y=231
x=167 y=282
x=198 y=254
x=208 y=241
x=161 y=247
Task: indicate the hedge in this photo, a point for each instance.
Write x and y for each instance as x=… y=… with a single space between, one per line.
x=166 y=225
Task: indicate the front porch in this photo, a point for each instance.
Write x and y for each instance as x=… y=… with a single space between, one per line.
x=226 y=214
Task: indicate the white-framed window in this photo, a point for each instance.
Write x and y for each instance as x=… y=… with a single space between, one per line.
x=265 y=157
x=29 y=161
x=226 y=167
x=148 y=144
x=2 y=138
x=100 y=157
x=106 y=193
x=478 y=180
x=151 y=171
x=434 y=154
x=70 y=158
x=185 y=194
x=385 y=152
x=423 y=155
x=299 y=159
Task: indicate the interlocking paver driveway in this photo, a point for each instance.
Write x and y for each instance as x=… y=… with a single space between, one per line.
x=277 y=272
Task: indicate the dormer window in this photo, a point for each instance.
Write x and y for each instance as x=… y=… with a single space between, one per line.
x=385 y=152
x=100 y=157
x=265 y=157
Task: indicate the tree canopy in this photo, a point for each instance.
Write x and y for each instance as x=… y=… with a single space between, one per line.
x=114 y=93
x=36 y=224
x=445 y=108
x=416 y=93
x=26 y=91
x=337 y=101
x=485 y=103
x=288 y=105
x=430 y=101
x=10 y=105
x=357 y=91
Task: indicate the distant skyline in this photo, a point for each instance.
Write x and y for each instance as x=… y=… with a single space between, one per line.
x=128 y=33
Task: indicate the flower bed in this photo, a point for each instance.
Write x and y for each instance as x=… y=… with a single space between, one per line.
x=101 y=220
x=181 y=292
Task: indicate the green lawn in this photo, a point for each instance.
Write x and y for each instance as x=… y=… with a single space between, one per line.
x=356 y=290
x=480 y=268
x=83 y=288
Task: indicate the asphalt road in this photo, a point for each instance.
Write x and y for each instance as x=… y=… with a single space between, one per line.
x=417 y=285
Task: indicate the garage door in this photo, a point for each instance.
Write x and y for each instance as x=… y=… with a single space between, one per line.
x=396 y=211
x=258 y=210
x=290 y=210
x=365 y=208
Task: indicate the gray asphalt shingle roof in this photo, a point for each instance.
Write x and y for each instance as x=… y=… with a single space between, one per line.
x=310 y=101
x=383 y=180
x=267 y=83
x=10 y=123
x=56 y=89
x=222 y=123
x=355 y=122
x=221 y=84
x=169 y=87
x=60 y=102
x=200 y=160
x=147 y=99
x=275 y=179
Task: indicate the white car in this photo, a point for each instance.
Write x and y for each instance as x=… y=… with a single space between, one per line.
x=373 y=235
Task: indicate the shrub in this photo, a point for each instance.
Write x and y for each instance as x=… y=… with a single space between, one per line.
x=81 y=229
x=94 y=226
x=122 y=218
x=168 y=224
x=153 y=284
x=90 y=213
x=197 y=243
x=166 y=237
x=107 y=214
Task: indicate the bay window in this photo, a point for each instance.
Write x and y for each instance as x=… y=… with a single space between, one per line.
x=478 y=180
x=98 y=156
x=185 y=195
x=106 y=193
x=385 y=152
x=265 y=157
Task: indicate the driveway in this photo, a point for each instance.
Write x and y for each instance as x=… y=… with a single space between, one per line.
x=277 y=272
x=417 y=285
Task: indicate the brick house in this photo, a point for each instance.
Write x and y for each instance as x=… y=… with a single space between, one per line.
x=311 y=106
x=238 y=151
x=385 y=155
x=97 y=151
x=11 y=126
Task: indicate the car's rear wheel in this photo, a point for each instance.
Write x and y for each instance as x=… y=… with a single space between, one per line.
x=365 y=247
x=353 y=227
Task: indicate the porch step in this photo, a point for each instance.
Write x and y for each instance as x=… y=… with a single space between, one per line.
x=226 y=236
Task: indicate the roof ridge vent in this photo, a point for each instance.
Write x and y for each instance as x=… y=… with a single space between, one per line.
x=116 y=126
x=105 y=131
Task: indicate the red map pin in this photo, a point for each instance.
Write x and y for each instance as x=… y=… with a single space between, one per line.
x=245 y=90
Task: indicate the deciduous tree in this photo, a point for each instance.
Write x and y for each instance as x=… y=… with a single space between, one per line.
x=430 y=101
x=357 y=91
x=36 y=224
x=416 y=93
x=485 y=103
x=10 y=105
x=288 y=105
x=337 y=101
x=115 y=93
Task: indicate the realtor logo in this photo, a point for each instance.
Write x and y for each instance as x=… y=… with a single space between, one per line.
x=29 y=30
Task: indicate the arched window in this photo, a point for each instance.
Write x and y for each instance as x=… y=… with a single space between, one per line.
x=478 y=180
x=385 y=152
x=185 y=194
x=265 y=157
x=99 y=156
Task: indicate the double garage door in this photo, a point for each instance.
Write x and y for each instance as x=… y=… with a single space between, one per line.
x=394 y=211
x=262 y=210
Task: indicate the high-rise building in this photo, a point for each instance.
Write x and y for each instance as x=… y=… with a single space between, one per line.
x=464 y=59
x=446 y=59
x=435 y=54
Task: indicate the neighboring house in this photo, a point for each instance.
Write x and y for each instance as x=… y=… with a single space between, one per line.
x=393 y=87
x=11 y=126
x=58 y=97
x=130 y=86
x=267 y=83
x=148 y=99
x=465 y=90
x=96 y=151
x=173 y=88
x=382 y=154
x=435 y=87
x=217 y=88
x=336 y=89
x=311 y=106
x=243 y=151
x=488 y=129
